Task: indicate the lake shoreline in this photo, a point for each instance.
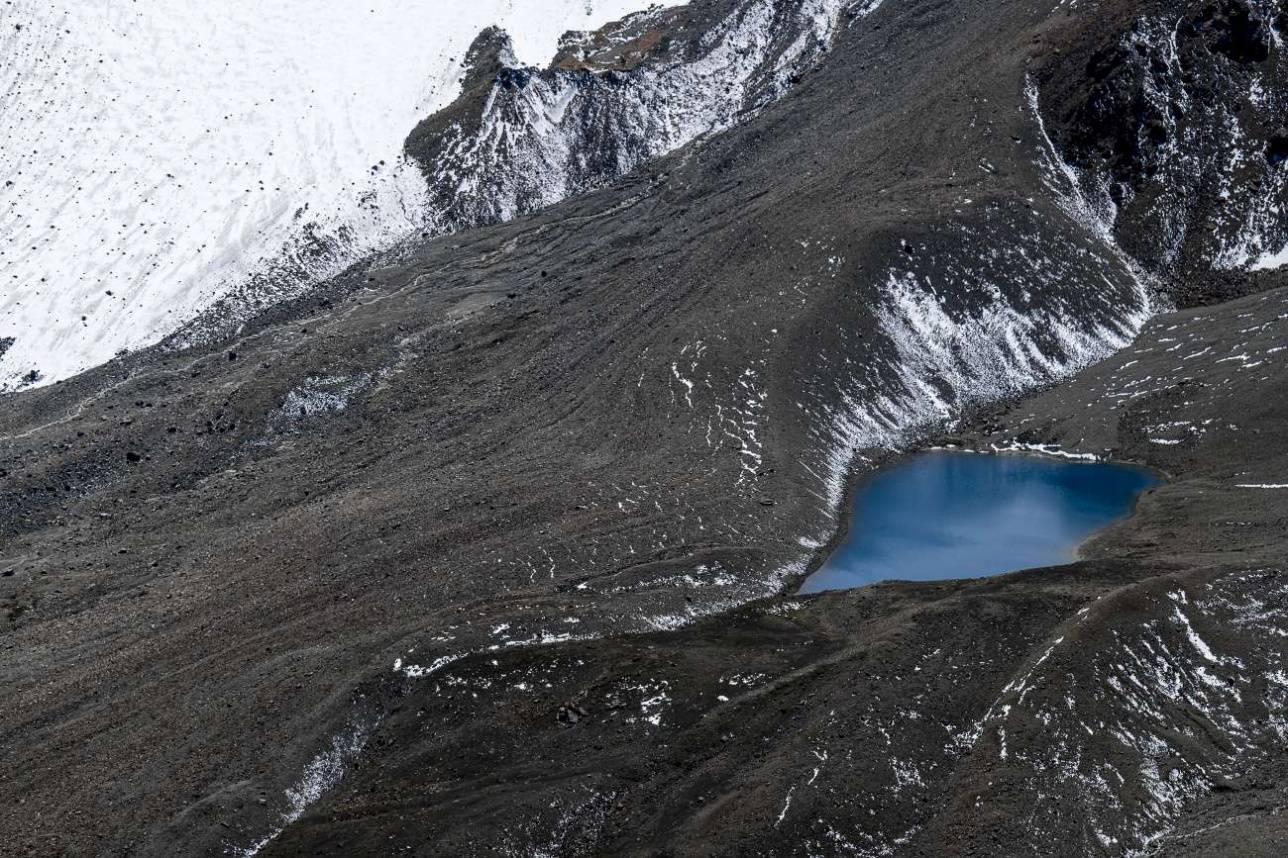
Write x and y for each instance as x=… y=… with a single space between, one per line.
x=963 y=536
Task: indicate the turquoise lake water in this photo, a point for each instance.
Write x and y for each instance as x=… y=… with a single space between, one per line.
x=961 y=515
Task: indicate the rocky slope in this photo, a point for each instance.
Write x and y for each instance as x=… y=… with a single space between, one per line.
x=520 y=139
x=432 y=552
x=1173 y=116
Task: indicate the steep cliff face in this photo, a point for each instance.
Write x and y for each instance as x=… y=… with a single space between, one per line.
x=520 y=138
x=1173 y=115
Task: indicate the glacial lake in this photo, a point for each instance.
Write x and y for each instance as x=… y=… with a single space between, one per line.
x=943 y=515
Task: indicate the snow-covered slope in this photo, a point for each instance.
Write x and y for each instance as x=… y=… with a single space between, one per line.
x=155 y=156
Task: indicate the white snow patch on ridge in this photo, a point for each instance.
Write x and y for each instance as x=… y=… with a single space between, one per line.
x=322 y=774
x=161 y=154
x=1270 y=261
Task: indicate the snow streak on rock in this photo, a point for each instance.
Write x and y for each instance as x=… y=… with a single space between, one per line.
x=967 y=327
x=613 y=101
x=1138 y=710
x=321 y=775
x=972 y=319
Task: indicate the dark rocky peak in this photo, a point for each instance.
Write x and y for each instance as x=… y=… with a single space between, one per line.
x=646 y=37
x=491 y=54
x=1231 y=29
x=1171 y=114
x=519 y=139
